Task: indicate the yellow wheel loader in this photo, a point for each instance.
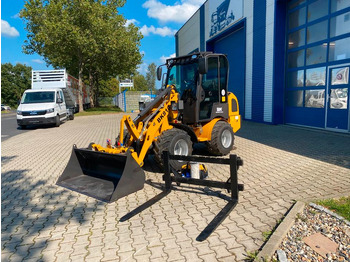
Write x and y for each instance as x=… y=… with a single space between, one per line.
x=194 y=107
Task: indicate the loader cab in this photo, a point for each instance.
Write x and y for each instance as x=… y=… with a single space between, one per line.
x=201 y=81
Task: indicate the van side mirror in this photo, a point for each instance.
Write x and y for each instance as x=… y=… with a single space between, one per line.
x=203 y=65
x=59 y=100
x=159 y=73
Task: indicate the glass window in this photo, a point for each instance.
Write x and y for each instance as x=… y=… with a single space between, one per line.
x=339 y=5
x=317 y=10
x=296 y=39
x=38 y=97
x=317 y=32
x=340 y=25
x=339 y=98
x=294 y=4
x=315 y=98
x=297 y=18
x=295 y=98
x=339 y=50
x=316 y=55
x=296 y=79
x=296 y=59
x=340 y=76
x=315 y=76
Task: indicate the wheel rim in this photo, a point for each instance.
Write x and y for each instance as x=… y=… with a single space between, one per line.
x=181 y=148
x=226 y=138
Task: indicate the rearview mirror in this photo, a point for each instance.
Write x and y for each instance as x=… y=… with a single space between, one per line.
x=59 y=100
x=202 y=65
x=159 y=73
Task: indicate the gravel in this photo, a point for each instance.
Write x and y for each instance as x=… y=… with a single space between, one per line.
x=312 y=221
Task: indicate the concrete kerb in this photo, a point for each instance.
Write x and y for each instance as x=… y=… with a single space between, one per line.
x=279 y=234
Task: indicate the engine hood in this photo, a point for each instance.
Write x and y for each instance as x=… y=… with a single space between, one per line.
x=35 y=107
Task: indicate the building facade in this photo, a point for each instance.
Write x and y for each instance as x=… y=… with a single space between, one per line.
x=289 y=60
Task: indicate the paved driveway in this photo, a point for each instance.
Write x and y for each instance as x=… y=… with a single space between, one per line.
x=41 y=221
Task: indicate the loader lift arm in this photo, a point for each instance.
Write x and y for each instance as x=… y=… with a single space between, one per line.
x=145 y=127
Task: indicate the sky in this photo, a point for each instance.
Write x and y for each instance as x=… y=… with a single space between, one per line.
x=158 y=21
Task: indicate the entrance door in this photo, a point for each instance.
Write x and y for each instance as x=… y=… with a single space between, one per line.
x=233 y=46
x=337 y=115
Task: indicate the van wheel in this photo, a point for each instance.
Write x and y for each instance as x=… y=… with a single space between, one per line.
x=57 y=121
x=71 y=117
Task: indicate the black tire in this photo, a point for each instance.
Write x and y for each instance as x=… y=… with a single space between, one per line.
x=23 y=126
x=170 y=139
x=57 y=121
x=222 y=139
x=126 y=137
x=71 y=116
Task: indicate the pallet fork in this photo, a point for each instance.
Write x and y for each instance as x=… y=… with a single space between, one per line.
x=231 y=185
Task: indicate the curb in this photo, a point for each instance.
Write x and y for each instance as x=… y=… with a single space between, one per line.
x=279 y=234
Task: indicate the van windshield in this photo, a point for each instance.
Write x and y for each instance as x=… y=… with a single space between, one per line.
x=38 y=97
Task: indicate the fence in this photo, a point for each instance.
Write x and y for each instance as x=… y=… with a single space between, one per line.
x=128 y=101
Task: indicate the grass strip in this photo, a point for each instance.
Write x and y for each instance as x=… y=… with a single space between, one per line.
x=340 y=206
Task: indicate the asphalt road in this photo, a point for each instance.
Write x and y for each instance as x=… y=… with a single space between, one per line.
x=9 y=126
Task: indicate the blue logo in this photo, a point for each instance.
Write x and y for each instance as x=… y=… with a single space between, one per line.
x=33 y=113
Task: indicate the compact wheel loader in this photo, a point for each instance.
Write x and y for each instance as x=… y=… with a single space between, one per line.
x=194 y=107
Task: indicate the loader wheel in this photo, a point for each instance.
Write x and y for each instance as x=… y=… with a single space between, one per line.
x=125 y=138
x=222 y=139
x=177 y=142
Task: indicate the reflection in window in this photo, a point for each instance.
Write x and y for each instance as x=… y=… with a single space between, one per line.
x=316 y=55
x=296 y=39
x=317 y=32
x=317 y=10
x=339 y=98
x=340 y=76
x=315 y=98
x=295 y=4
x=316 y=76
x=296 y=59
x=295 y=98
x=340 y=25
x=339 y=5
x=296 y=79
x=297 y=18
x=339 y=50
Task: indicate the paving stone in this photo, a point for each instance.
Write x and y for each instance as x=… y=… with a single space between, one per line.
x=281 y=163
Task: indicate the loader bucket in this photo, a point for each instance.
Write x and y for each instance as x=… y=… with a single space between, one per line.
x=103 y=176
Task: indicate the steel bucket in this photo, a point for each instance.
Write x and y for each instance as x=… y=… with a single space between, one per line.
x=106 y=177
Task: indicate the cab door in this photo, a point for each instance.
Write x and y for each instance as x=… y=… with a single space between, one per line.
x=337 y=115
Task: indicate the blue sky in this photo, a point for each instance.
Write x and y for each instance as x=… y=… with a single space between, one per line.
x=158 y=21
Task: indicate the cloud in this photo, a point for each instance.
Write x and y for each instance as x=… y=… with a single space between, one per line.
x=142 y=69
x=143 y=53
x=162 y=31
x=164 y=58
x=131 y=21
x=38 y=61
x=15 y=16
x=7 y=30
x=180 y=12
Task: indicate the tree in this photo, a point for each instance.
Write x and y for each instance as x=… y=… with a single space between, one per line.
x=151 y=76
x=85 y=36
x=140 y=82
x=14 y=81
x=109 y=88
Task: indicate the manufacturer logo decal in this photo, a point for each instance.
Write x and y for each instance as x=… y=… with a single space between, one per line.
x=219 y=110
x=33 y=113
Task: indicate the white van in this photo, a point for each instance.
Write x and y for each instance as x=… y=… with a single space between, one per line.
x=44 y=106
